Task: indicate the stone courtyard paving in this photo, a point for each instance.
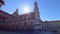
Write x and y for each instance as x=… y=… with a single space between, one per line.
x=42 y=32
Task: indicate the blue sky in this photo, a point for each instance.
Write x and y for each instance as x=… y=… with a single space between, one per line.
x=49 y=9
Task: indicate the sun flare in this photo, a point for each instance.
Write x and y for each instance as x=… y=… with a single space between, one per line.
x=26 y=9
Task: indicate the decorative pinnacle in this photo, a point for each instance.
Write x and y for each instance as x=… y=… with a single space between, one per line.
x=1 y=3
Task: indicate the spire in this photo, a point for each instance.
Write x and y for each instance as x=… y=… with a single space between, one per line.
x=16 y=13
x=35 y=2
x=36 y=9
x=36 y=5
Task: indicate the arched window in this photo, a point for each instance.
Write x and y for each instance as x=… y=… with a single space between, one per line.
x=19 y=24
x=31 y=23
x=0 y=20
x=25 y=24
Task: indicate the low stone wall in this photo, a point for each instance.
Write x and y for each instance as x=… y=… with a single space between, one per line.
x=53 y=26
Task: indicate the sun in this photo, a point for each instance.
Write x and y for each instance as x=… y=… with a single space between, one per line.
x=26 y=9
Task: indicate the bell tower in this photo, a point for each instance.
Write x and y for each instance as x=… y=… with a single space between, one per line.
x=36 y=13
x=38 y=25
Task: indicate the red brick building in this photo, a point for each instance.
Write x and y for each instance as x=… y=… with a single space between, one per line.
x=25 y=21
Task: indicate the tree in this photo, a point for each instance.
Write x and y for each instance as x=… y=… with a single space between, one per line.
x=1 y=3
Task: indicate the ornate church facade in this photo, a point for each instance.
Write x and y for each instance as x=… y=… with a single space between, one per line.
x=21 y=22
x=29 y=21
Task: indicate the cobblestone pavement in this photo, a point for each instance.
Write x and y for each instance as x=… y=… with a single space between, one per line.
x=42 y=32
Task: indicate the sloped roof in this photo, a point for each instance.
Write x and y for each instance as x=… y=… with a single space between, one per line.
x=28 y=15
x=54 y=21
x=4 y=13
